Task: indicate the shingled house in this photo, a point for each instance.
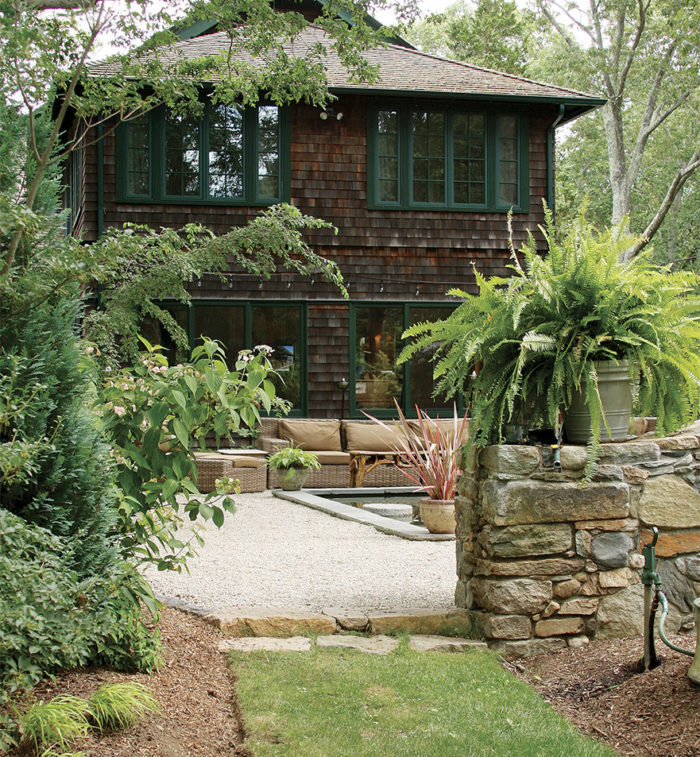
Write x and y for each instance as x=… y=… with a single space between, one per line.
x=417 y=171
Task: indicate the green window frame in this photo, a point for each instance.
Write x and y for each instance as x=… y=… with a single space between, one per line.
x=249 y=335
x=437 y=158
x=410 y=313
x=228 y=156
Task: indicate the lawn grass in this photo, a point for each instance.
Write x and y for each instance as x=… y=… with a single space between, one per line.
x=333 y=703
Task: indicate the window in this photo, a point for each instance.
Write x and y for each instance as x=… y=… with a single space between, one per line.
x=244 y=325
x=375 y=347
x=447 y=160
x=228 y=156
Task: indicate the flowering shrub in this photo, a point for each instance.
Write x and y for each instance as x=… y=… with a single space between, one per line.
x=156 y=414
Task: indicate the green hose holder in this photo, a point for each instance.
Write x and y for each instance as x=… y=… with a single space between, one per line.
x=653 y=596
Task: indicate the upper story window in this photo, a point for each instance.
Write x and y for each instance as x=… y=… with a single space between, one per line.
x=230 y=155
x=437 y=159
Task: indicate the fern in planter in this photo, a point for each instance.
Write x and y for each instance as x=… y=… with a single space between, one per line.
x=535 y=337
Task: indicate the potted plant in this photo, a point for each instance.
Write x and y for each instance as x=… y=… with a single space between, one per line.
x=546 y=336
x=293 y=465
x=429 y=456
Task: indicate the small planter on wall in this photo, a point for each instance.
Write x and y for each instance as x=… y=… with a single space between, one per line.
x=615 y=390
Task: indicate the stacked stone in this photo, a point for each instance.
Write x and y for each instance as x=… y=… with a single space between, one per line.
x=545 y=561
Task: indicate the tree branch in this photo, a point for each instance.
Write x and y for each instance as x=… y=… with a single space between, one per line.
x=683 y=174
x=642 y=19
x=65 y=5
x=559 y=28
x=45 y=156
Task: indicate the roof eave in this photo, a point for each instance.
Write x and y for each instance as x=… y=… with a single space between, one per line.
x=575 y=106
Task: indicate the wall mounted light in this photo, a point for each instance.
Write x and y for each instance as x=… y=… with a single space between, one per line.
x=329 y=113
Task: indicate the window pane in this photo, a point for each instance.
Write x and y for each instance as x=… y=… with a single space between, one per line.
x=428 y=145
x=268 y=152
x=508 y=126
x=138 y=157
x=476 y=170
x=508 y=194
x=508 y=172
x=421 y=367
x=279 y=326
x=388 y=155
x=477 y=193
x=225 y=323
x=388 y=191
x=508 y=149
x=377 y=344
x=181 y=155
x=508 y=160
x=156 y=333
x=225 y=151
x=469 y=164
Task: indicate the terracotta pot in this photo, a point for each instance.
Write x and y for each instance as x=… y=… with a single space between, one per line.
x=291 y=479
x=438 y=515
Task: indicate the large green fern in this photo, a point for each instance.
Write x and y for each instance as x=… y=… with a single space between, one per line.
x=535 y=337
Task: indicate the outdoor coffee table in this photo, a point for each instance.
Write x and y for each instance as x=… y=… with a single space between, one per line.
x=363 y=462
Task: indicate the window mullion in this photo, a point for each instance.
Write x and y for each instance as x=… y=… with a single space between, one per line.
x=250 y=154
x=449 y=160
x=405 y=154
x=491 y=160
x=158 y=152
x=204 y=154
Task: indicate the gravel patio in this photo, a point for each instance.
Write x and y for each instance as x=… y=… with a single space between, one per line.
x=273 y=553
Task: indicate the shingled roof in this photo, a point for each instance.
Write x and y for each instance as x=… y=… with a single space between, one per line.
x=402 y=71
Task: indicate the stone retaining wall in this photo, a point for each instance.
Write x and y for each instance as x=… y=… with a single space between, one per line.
x=544 y=561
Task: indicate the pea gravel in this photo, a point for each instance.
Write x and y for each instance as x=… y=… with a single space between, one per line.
x=273 y=553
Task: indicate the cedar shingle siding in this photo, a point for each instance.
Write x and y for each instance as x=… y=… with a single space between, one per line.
x=434 y=249
x=397 y=256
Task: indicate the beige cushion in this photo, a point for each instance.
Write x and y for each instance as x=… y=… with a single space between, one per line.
x=446 y=427
x=270 y=444
x=332 y=458
x=370 y=437
x=247 y=462
x=311 y=434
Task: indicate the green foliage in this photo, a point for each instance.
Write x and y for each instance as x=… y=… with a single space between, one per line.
x=429 y=451
x=536 y=336
x=293 y=457
x=138 y=267
x=53 y=460
x=155 y=415
x=46 y=727
x=120 y=705
x=55 y=618
x=492 y=33
x=51 y=725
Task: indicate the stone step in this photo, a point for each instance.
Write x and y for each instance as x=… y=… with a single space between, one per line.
x=379 y=645
x=287 y=622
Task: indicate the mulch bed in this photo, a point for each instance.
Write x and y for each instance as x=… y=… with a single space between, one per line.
x=194 y=687
x=600 y=689
x=597 y=687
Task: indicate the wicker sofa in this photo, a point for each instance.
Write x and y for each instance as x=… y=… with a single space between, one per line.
x=336 y=443
x=250 y=470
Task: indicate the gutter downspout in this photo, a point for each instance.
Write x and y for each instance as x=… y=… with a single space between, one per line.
x=550 y=157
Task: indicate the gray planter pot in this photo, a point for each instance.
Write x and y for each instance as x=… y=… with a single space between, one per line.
x=615 y=390
x=291 y=479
